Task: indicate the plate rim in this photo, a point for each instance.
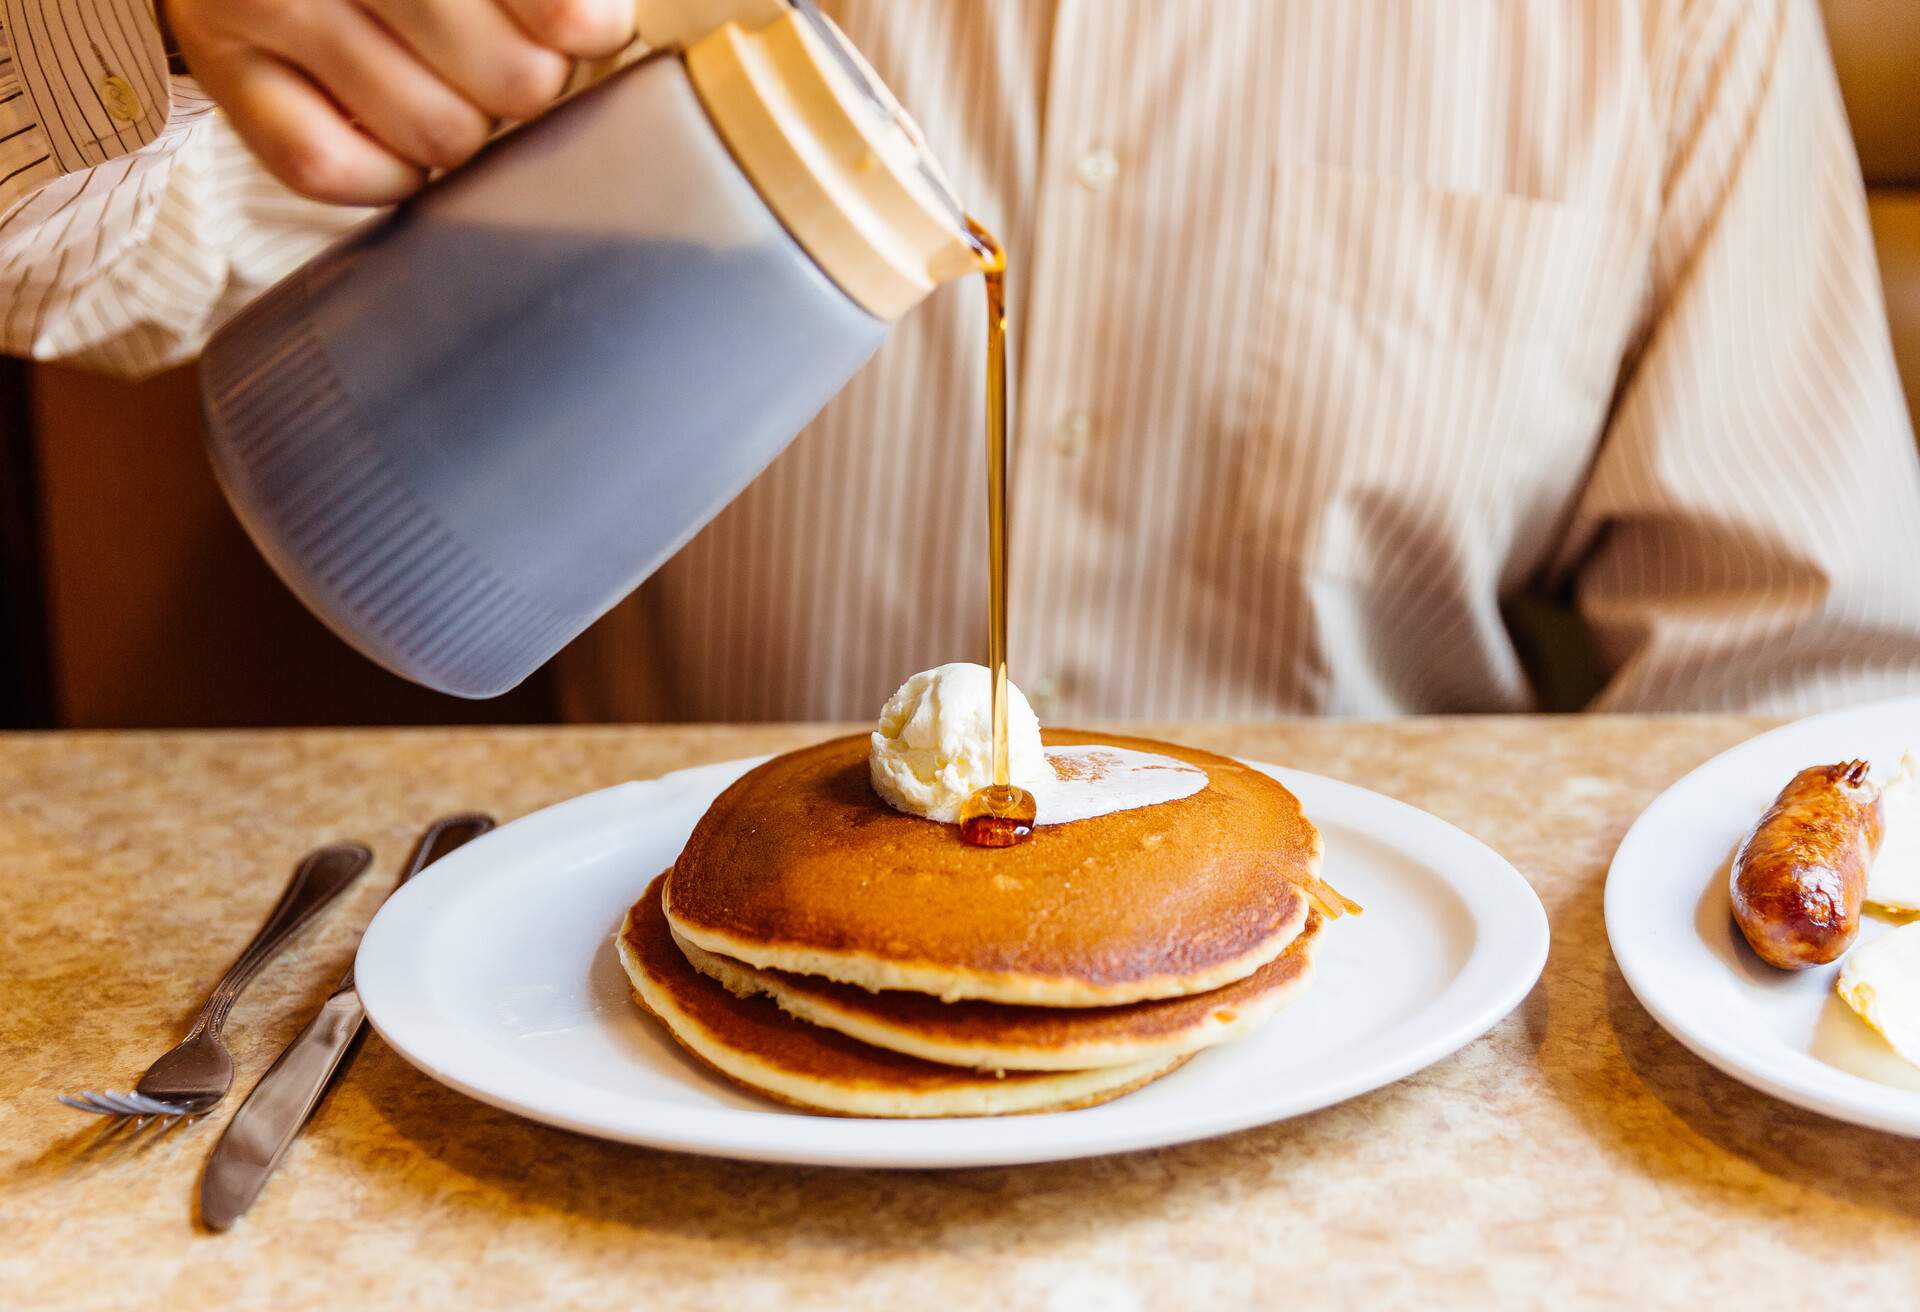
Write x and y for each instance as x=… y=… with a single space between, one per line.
x=1500 y=903
x=1794 y=1076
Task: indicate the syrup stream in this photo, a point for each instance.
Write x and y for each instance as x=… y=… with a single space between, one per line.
x=999 y=815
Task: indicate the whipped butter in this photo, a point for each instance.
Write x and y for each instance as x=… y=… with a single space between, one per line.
x=933 y=747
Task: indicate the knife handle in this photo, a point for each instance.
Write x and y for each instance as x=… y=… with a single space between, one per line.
x=279 y=1106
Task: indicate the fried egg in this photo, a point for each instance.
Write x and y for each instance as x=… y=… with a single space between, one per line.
x=1881 y=982
x=1893 y=881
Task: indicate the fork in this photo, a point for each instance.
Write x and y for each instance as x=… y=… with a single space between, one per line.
x=196 y=1074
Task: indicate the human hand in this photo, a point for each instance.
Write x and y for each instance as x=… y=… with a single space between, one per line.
x=352 y=101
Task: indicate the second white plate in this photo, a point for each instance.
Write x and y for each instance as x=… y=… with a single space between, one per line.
x=494 y=972
x=1670 y=923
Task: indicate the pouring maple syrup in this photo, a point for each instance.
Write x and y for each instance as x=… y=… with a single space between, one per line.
x=998 y=815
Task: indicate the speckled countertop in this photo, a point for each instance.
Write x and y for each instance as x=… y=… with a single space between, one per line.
x=1576 y=1155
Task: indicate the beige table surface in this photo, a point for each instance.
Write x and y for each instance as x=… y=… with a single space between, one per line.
x=1576 y=1155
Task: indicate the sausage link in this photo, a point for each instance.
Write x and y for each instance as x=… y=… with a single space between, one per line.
x=1800 y=876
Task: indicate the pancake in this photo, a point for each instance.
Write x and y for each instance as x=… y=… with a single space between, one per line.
x=999 y=1036
x=799 y=866
x=753 y=1043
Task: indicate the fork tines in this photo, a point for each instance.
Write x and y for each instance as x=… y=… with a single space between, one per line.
x=129 y=1103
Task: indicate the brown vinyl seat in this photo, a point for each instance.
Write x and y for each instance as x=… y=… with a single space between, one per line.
x=1876 y=48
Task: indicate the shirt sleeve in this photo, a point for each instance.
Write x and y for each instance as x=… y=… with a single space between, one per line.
x=81 y=82
x=133 y=221
x=1749 y=538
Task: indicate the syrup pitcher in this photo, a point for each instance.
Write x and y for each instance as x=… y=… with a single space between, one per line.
x=465 y=431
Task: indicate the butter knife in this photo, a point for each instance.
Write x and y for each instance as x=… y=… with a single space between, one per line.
x=273 y=1114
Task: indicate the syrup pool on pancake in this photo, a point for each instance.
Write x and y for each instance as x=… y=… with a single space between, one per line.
x=933 y=749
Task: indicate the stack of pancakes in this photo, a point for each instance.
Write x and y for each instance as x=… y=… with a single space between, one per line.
x=815 y=945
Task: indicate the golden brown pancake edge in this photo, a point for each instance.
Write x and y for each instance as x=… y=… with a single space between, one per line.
x=800 y=866
x=1002 y=1036
x=752 y=1043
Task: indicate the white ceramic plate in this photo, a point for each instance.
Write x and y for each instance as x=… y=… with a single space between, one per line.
x=1670 y=921
x=494 y=972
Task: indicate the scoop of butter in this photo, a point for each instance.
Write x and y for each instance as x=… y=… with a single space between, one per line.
x=1881 y=981
x=933 y=746
x=1893 y=881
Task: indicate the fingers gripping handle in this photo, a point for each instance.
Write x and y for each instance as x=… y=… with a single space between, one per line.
x=680 y=23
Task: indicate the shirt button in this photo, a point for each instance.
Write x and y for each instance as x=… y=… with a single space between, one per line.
x=1097 y=168
x=1073 y=434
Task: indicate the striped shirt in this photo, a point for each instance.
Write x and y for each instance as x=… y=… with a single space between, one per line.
x=123 y=249
x=1348 y=336
x=79 y=84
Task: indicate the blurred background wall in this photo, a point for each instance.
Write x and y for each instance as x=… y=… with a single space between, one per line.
x=130 y=597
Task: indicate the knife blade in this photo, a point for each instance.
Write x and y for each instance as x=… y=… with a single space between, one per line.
x=280 y=1105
